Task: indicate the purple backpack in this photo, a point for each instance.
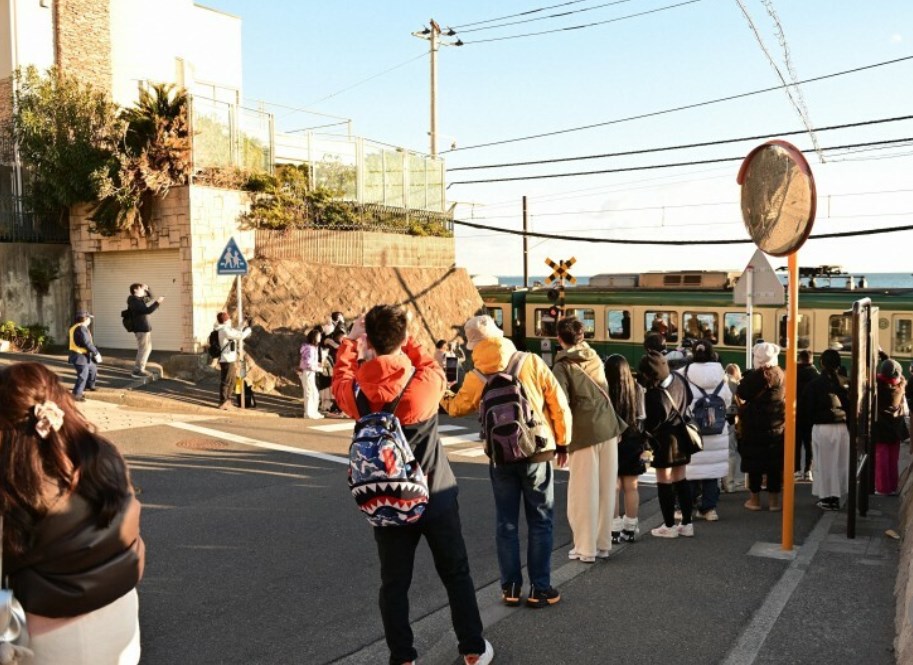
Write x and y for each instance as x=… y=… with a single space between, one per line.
x=508 y=420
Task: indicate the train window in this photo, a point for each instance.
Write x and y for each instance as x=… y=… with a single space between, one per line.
x=545 y=324
x=702 y=325
x=805 y=331
x=664 y=323
x=497 y=314
x=587 y=317
x=618 y=323
x=903 y=335
x=840 y=333
x=735 y=328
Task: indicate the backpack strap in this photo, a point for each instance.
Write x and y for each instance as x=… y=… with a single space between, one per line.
x=391 y=406
x=716 y=392
x=516 y=363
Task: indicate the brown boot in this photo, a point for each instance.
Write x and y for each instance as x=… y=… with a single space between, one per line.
x=754 y=501
x=774 y=502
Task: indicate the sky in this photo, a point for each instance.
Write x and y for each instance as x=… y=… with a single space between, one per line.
x=318 y=55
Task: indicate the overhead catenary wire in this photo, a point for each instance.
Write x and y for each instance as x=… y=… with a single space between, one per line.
x=676 y=109
x=684 y=146
x=675 y=243
x=582 y=26
x=627 y=169
x=564 y=14
x=524 y=13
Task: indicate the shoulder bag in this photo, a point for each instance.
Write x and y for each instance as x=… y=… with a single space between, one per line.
x=692 y=432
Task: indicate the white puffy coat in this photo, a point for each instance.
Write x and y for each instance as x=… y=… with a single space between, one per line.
x=713 y=461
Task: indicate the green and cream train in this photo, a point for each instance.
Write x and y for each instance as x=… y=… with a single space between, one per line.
x=618 y=311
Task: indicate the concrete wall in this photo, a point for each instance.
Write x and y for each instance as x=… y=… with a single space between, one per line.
x=198 y=221
x=357 y=248
x=18 y=300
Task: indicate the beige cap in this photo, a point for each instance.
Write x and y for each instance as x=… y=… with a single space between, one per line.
x=479 y=328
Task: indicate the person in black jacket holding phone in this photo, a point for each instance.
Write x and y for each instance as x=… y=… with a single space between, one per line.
x=141 y=304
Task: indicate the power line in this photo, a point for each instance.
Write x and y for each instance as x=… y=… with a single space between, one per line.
x=370 y=78
x=542 y=18
x=526 y=13
x=582 y=26
x=676 y=243
x=684 y=146
x=548 y=176
x=679 y=108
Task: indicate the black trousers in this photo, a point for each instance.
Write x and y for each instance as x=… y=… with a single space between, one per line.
x=226 y=381
x=774 y=481
x=440 y=526
x=803 y=440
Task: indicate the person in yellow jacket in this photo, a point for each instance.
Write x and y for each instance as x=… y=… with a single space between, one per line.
x=83 y=356
x=531 y=481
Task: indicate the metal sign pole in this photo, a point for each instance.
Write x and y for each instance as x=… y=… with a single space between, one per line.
x=749 y=301
x=789 y=440
x=241 y=371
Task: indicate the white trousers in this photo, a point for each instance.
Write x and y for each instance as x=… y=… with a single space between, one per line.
x=830 y=460
x=591 y=496
x=107 y=636
x=311 y=395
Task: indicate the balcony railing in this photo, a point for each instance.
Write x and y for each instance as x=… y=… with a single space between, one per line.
x=226 y=136
x=18 y=224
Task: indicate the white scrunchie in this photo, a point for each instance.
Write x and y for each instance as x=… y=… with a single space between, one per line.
x=49 y=417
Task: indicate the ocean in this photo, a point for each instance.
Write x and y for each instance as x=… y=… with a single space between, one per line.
x=876 y=280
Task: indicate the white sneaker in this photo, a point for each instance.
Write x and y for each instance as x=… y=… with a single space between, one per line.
x=686 y=530
x=574 y=555
x=481 y=659
x=711 y=515
x=663 y=531
x=603 y=554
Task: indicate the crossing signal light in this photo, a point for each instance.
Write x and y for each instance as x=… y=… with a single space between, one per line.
x=554 y=312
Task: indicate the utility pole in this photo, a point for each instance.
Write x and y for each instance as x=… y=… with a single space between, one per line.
x=432 y=33
x=525 y=245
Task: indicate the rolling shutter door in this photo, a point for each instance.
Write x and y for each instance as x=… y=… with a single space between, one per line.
x=112 y=275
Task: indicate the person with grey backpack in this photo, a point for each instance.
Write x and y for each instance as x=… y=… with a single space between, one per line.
x=526 y=423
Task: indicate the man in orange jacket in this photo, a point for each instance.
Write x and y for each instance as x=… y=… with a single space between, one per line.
x=389 y=359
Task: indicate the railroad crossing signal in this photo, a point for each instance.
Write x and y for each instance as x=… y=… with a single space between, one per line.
x=561 y=271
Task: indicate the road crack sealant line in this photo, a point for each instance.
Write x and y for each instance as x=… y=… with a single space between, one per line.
x=749 y=644
x=257 y=443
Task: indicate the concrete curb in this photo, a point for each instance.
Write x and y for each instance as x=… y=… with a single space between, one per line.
x=148 y=402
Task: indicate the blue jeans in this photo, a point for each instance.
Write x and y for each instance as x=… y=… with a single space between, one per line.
x=533 y=482
x=86 y=374
x=709 y=491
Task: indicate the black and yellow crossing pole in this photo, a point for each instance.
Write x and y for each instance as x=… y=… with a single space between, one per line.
x=560 y=274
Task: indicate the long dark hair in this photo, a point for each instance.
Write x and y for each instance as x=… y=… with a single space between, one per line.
x=74 y=458
x=622 y=388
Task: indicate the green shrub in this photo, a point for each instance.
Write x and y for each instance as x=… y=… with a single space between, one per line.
x=30 y=339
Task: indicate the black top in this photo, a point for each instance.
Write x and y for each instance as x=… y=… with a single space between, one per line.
x=824 y=402
x=805 y=374
x=889 y=425
x=665 y=430
x=764 y=413
x=141 y=308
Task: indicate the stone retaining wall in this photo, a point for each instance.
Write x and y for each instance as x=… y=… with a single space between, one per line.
x=285 y=298
x=903 y=643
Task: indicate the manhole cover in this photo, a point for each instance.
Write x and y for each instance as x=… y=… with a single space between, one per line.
x=202 y=444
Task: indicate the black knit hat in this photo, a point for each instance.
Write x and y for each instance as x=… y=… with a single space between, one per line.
x=703 y=351
x=890 y=369
x=654 y=341
x=830 y=359
x=653 y=369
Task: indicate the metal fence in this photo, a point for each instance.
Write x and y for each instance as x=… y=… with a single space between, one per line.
x=18 y=224
x=226 y=135
x=367 y=172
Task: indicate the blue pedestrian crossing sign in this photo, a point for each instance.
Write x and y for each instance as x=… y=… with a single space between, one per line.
x=231 y=260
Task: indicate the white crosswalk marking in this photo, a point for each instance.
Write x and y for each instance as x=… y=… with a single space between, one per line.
x=450 y=428
x=333 y=427
x=470 y=452
x=455 y=439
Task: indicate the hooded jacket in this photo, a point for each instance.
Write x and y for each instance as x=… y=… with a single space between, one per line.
x=228 y=338
x=889 y=425
x=542 y=390
x=713 y=461
x=763 y=416
x=594 y=417
x=381 y=380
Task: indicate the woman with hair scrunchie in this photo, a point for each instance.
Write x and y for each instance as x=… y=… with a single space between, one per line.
x=71 y=542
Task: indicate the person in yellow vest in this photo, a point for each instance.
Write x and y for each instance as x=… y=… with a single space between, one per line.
x=84 y=356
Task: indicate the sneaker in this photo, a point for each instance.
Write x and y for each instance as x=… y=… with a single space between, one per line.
x=573 y=555
x=798 y=476
x=828 y=504
x=510 y=594
x=616 y=537
x=603 y=554
x=542 y=597
x=628 y=536
x=809 y=477
x=711 y=515
x=664 y=531
x=79 y=398
x=483 y=658
x=139 y=374
x=686 y=530
x=91 y=389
